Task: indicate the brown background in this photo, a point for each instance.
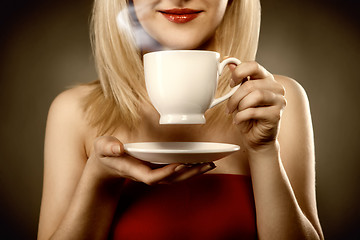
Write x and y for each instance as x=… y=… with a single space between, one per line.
x=44 y=48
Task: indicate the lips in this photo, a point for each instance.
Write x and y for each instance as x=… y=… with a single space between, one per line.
x=180 y=15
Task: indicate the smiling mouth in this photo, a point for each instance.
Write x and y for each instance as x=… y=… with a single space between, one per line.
x=180 y=15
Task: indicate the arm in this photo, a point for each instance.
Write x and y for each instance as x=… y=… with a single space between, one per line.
x=80 y=193
x=68 y=190
x=280 y=149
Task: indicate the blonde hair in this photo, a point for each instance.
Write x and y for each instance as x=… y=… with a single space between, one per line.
x=116 y=98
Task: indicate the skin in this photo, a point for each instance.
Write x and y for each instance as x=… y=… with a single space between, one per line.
x=180 y=36
x=272 y=124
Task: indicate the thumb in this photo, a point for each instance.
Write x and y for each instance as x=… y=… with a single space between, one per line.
x=232 y=66
x=108 y=146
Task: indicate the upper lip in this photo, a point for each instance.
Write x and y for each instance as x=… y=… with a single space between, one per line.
x=180 y=11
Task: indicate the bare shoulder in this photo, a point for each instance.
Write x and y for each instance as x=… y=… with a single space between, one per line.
x=71 y=99
x=68 y=105
x=66 y=117
x=294 y=92
x=296 y=123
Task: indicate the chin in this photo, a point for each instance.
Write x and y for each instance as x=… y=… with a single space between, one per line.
x=183 y=44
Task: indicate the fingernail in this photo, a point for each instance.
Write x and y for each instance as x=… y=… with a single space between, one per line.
x=116 y=149
x=232 y=66
x=179 y=168
x=208 y=167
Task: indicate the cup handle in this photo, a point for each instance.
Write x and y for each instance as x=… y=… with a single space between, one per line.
x=221 y=67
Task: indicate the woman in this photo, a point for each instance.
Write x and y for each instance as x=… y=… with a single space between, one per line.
x=91 y=187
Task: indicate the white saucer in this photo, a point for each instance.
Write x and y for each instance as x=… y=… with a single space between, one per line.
x=179 y=152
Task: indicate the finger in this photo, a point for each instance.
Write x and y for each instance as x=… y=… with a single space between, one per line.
x=150 y=176
x=195 y=170
x=251 y=69
x=108 y=146
x=271 y=114
x=260 y=98
x=189 y=171
x=248 y=87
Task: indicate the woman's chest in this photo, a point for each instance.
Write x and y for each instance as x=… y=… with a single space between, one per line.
x=212 y=206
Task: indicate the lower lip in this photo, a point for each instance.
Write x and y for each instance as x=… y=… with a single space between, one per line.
x=180 y=18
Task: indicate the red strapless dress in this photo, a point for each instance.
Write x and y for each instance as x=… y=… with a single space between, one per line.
x=210 y=206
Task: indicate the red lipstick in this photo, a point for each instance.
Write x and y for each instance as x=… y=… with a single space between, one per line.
x=180 y=15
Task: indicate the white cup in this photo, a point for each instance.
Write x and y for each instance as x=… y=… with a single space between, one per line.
x=182 y=83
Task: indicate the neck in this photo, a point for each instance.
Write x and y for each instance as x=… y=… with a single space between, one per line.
x=208 y=45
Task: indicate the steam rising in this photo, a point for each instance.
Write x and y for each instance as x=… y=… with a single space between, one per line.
x=142 y=39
